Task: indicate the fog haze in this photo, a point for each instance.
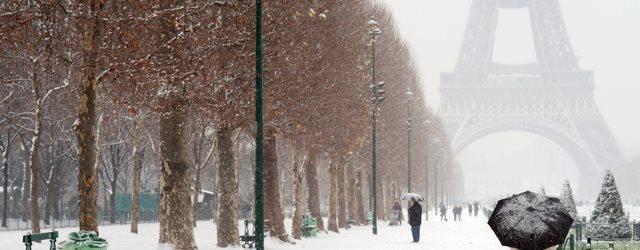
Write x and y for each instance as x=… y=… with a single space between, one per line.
x=605 y=37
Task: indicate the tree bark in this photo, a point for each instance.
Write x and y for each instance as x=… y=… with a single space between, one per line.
x=359 y=199
x=112 y=198
x=198 y=165
x=333 y=193
x=381 y=213
x=26 y=184
x=175 y=202
x=4 y=149
x=272 y=204
x=390 y=195
x=227 y=186
x=85 y=125
x=313 y=193
x=351 y=197
x=298 y=163
x=342 y=196
x=138 y=156
x=34 y=161
x=52 y=192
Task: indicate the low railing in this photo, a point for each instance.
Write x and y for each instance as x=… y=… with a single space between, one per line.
x=626 y=231
x=21 y=221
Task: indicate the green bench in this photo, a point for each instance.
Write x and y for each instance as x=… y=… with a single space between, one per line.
x=350 y=222
x=309 y=226
x=29 y=238
x=248 y=240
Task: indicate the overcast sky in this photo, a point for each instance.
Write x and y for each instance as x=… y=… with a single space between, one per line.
x=605 y=35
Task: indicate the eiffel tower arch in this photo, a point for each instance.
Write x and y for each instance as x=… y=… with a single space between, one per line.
x=552 y=97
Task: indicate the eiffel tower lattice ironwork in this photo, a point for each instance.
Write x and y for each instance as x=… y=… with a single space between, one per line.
x=553 y=97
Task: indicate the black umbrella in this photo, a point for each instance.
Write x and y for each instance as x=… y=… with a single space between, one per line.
x=530 y=221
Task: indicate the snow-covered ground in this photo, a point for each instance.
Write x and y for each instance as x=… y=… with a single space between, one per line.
x=472 y=233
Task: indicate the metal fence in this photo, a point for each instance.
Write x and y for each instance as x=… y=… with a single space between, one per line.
x=17 y=221
x=582 y=231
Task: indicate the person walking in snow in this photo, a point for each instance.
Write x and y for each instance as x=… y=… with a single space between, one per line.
x=457 y=213
x=397 y=211
x=454 y=210
x=470 y=207
x=415 y=219
x=443 y=212
x=475 y=209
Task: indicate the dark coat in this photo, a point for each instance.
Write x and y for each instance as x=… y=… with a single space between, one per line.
x=415 y=214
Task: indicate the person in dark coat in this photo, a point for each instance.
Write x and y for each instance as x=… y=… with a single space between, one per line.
x=455 y=213
x=470 y=210
x=443 y=212
x=476 y=207
x=415 y=219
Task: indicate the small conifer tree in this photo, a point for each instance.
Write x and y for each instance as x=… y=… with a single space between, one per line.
x=608 y=220
x=566 y=197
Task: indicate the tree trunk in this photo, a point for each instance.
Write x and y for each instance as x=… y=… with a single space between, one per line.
x=51 y=198
x=227 y=186
x=351 y=195
x=381 y=213
x=197 y=187
x=57 y=213
x=359 y=199
x=112 y=198
x=138 y=156
x=175 y=223
x=333 y=192
x=4 y=149
x=272 y=205
x=313 y=192
x=390 y=196
x=34 y=161
x=298 y=164
x=85 y=125
x=369 y=192
x=26 y=186
x=342 y=196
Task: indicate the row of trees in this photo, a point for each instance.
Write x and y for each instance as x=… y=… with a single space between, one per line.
x=608 y=219
x=105 y=89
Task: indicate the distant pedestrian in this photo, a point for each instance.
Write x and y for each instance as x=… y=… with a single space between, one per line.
x=396 y=215
x=470 y=207
x=454 y=210
x=415 y=219
x=457 y=213
x=476 y=207
x=443 y=212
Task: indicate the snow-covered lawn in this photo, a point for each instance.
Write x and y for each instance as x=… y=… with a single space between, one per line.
x=472 y=233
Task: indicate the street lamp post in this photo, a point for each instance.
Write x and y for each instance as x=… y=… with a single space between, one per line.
x=259 y=171
x=409 y=95
x=435 y=174
x=426 y=180
x=377 y=98
x=443 y=180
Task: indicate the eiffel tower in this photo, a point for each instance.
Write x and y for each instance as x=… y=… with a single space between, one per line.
x=552 y=97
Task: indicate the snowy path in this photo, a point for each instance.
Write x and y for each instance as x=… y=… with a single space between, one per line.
x=473 y=233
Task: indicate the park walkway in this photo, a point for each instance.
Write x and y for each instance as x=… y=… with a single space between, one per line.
x=472 y=233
